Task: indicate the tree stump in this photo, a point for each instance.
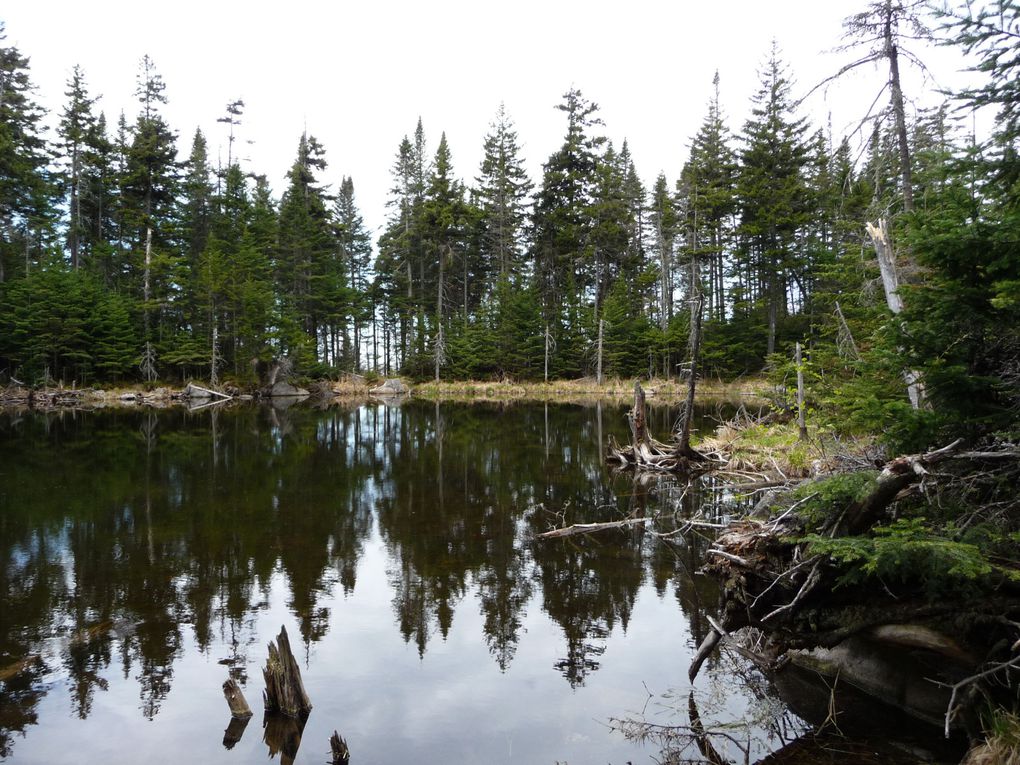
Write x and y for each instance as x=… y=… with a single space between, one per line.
x=285 y=692
x=337 y=745
x=239 y=708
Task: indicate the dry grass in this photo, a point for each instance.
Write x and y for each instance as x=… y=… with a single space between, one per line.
x=774 y=451
x=670 y=391
x=1002 y=746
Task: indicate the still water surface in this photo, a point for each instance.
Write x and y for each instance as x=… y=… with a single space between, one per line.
x=145 y=556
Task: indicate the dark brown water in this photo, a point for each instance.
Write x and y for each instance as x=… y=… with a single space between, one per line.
x=145 y=556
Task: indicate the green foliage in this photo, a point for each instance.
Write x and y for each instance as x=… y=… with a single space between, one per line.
x=907 y=552
x=820 y=501
x=63 y=325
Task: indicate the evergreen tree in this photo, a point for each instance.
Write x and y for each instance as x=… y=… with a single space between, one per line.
x=562 y=220
x=503 y=189
x=25 y=193
x=77 y=126
x=149 y=200
x=306 y=251
x=355 y=246
x=773 y=198
x=98 y=202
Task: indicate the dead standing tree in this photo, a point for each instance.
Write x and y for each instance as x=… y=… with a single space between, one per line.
x=646 y=453
x=881 y=29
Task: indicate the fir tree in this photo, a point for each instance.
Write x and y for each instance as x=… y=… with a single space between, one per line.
x=772 y=196
x=503 y=189
x=25 y=192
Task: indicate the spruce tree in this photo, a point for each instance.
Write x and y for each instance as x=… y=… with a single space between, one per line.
x=355 y=248
x=306 y=249
x=562 y=220
x=77 y=126
x=773 y=198
x=503 y=190
x=25 y=191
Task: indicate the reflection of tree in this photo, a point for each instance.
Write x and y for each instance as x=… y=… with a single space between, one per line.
x=179 y=521
x=180 y=524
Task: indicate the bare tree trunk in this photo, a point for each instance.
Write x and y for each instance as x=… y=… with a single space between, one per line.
x=636 y=418
x=899 y=113
x=880 y=239
x=213 y=372
x=684 y=444
x=598 y=376
x=694 y=346
x=801 y=421
x=547 y=338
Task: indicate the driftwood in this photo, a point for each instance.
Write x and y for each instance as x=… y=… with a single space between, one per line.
x=285 y=692
x=235 y=699
x=588 y=528
x=338 y=748
x=198 y=392
x=646 y=454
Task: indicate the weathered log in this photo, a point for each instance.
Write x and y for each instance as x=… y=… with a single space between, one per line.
x=704 y=651
x=197 y=391
x=338 y=748
x=285 y=692
x=897 y=475
x=235 y=699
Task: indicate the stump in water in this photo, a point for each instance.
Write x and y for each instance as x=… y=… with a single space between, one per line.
x=285 y=692
x=337 y=745
x=647 y=454
x=239 y=708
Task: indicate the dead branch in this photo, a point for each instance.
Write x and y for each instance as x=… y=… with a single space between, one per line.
x=968 y=681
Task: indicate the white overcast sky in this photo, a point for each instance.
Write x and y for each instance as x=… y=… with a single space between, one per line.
x=358 y=75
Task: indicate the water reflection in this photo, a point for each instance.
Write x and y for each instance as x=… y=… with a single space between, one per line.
x=125 y=535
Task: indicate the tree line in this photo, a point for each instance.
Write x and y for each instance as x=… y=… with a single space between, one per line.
x=121 y=258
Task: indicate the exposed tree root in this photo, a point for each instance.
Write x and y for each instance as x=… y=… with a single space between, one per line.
x=770 y=582
x=647 y=454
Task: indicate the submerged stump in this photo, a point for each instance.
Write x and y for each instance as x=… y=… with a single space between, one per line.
x=338 y=748
x=285 y=692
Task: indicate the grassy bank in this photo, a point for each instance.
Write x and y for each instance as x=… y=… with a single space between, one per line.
x=668 y=391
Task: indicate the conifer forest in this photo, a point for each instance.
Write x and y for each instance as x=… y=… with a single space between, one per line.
x=126 y=255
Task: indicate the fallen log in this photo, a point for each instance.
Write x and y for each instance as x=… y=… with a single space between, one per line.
x=588 y=528
x=801 y=598
x=197 y=391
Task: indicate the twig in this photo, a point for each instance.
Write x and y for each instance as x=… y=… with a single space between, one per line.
x=809 y=584
x=973 y=679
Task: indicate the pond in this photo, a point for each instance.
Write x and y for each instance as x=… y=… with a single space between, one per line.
x=145 y=557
